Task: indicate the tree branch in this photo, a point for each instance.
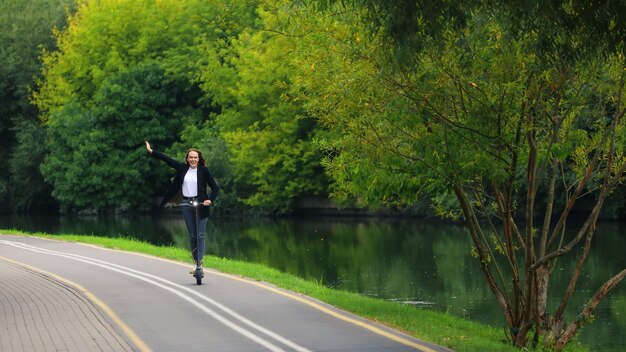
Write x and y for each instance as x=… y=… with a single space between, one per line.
x=588 y=309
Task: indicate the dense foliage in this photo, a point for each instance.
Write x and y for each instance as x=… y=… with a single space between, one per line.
x=94 y=159
x=269 y=137
x=226 y=89
x=124 y=72
x=26 y=28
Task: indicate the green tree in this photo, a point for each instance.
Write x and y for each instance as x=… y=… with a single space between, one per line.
x=487 y=117
x=28 y=189
x=25 y=29
x=269 y=136
x=95 y=158
x=125 y=72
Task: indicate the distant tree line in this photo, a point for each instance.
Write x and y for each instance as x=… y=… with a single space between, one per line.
x=26 y=30
x=83 y=84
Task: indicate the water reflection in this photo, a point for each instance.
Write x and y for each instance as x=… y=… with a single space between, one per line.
x=425 y=264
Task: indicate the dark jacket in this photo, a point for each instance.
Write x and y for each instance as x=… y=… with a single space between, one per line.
x=174 y=192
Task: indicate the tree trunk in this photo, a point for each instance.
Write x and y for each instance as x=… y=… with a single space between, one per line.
x=473 y=227
x=543 y=279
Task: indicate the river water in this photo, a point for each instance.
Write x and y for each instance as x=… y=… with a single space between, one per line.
x=415 y=262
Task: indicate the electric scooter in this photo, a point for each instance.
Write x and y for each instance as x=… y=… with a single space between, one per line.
x=199 y=273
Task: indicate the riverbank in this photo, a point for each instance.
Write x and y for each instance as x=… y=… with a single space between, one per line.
x=440 y=328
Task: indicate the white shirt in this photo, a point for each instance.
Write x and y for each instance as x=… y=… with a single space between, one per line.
x=190 y=183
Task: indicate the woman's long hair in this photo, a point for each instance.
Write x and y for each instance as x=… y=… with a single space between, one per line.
x=201 y=160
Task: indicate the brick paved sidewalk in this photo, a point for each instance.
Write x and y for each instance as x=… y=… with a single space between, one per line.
x=41 y=313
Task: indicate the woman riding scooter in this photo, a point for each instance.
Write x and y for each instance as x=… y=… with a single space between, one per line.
x=191 y=181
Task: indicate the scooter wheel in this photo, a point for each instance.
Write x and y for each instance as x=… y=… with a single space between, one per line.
x=199 y=275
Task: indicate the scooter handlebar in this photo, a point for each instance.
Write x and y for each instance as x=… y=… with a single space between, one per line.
x=191 y=204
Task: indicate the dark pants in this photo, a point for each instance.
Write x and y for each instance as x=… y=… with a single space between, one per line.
x=196 y=237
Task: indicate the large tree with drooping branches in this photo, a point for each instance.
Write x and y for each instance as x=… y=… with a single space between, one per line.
x=481 y=107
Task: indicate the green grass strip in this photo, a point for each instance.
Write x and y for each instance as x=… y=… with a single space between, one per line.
x=436 y=327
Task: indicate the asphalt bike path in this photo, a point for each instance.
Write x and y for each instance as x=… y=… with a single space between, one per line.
x=117 y=301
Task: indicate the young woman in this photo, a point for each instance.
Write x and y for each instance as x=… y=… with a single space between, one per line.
x=191 y=181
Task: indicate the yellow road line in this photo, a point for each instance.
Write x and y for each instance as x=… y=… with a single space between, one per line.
x=335 y=314
x=317 y=306
x=136 y=340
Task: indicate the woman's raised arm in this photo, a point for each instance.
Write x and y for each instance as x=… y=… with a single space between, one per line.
x=148 y=147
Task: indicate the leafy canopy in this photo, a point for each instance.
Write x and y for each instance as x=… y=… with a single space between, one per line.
x=124 y=72
x=268 y=134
